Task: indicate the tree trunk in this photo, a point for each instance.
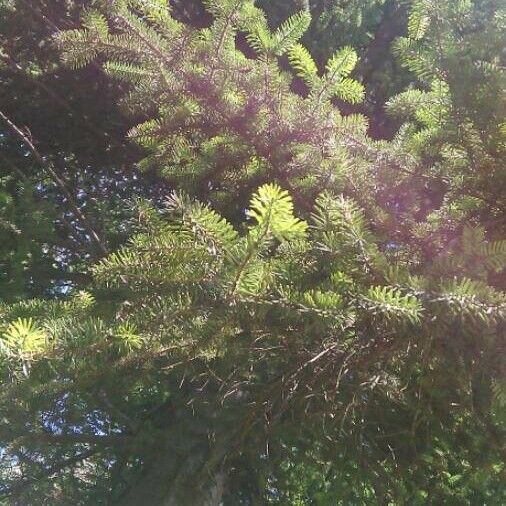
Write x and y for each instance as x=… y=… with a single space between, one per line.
x=197 y=480
x=190 y=493
x=392 y=25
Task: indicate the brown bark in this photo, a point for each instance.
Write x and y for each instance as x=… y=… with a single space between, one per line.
x=196 y=479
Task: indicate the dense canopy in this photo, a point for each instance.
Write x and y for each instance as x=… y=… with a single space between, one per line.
x=252 y=252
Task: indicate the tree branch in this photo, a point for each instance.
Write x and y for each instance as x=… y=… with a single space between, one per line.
x=19 y=488
x=92 y=439
x=58 y=181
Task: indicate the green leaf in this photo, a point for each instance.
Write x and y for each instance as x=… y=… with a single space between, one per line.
x=418 y=21
x=495 y=254
x=207 y=225
x=349 y=90
x=259 y=38
x=325 y=300
x=272 y=208
x=22 y=337
x=303 y=63
x=290 y=32
x=126 y=71
x=128 y=337
x=392 y=303
x=96 y=23
x=341 y=64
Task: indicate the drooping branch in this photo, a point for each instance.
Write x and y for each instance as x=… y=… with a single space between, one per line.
x=92 y=439
x=57 y=180
x=19 y=488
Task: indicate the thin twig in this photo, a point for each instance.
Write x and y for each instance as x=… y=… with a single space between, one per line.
x=57 y=180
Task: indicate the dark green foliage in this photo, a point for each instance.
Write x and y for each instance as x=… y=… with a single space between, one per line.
x=456 y=123
x=76 y=127
x=24 y=225
x=307 y=316
x=234 y=316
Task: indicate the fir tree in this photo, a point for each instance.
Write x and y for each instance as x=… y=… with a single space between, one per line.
x=271 y=334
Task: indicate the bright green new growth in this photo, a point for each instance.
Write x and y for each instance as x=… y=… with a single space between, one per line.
x=23 y=337
x=272 y=209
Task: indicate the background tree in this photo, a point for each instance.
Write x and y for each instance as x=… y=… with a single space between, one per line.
x=79 y=161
